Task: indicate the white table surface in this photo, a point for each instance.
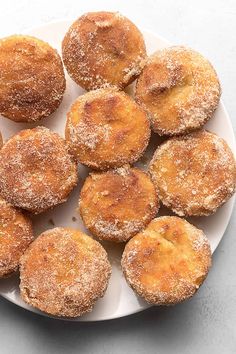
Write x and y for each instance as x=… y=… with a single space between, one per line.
x=207 y=323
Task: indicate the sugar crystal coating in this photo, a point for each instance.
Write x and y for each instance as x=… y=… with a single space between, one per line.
x=64 y=272
x=194 y=174
x=168 y=261
x=16 y=233
x=180 y=90
x=117 y=204
x=105 y=129
x=32 y=80
x=103 y=49
x=36 y=170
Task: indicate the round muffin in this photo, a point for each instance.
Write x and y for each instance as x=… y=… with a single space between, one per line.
x=167 y=262
x=103 y=49
x=64 y=272
x=180 y=90
x=117 y=204
x=16 y=234
x=32 y=80
x=36 y=170
x=194 y=174
x=107 y=129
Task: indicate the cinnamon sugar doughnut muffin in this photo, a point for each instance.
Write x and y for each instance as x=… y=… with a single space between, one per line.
x=167 y=262
x=106 y=129
x=117 y=204
x=36 y=170
x=180 y=90
x=194 y=174
x=103 y=49
x=32 y=80
x=64 y=272
x=16 y=234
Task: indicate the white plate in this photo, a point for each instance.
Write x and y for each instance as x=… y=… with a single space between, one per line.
x=119 y=299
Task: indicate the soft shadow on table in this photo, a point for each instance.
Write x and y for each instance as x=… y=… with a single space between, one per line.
x=165 y=322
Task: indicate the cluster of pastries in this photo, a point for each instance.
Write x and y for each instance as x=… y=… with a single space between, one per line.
x=193 y=172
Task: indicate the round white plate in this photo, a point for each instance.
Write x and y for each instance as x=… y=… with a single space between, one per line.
x=119 y=299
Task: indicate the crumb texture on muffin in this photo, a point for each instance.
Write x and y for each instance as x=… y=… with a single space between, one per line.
x=117 y=204
x=36 y=170
x=32 y=80
x=107 y=129
x=194 y=174
x=168 y=261
x=103 y=49
x=16 y=233
x=180 y=90
x=64 y=272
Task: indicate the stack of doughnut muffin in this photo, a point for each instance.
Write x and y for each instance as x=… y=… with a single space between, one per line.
x=63 y=271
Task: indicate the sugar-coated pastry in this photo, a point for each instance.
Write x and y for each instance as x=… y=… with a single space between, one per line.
x=1 y=141
x=32 y=80
x=180 y=90
x=168 y=261
x=16 y=234
x=117 y=204
x=36 y=170
x=106 y=129
x=103 y=49
x=64 y=272
x=194 y=174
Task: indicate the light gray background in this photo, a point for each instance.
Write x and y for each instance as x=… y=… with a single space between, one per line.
x=205 y=324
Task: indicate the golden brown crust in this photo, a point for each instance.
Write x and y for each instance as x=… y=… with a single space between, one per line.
x=106 y=129
x=194 y=174
x=64 y=272
x=117 y=204
x=180 y=90
x=1 y=141
x=16 y=233
x=167 y=262
x=103 y=49
x=32 y=80
x=36 y=170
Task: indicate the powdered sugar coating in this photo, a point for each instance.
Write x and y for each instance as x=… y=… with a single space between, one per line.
x=106 y=129
x=167 y=262
x=180 y=90
x=36 y=170
x=16 y=234
x=194 y=174
x=103 y=49
x=117 y=204
x=32 y=80
x=64 y=272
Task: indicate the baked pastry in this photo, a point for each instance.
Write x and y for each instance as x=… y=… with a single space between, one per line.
x=167 y=262
x=16 y=234
x=106 y=129
x=180 y=90
x=117 y=204
x=64 y=272
x=103 y=49
x=32 y=80
x=36 y=170
x=1 y=141
x=194 y=174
